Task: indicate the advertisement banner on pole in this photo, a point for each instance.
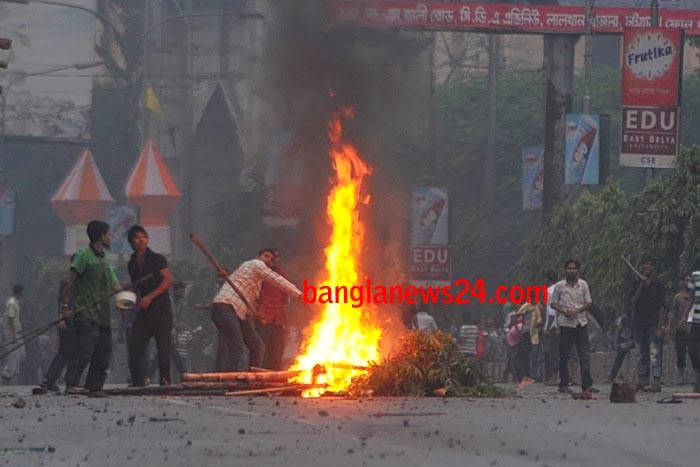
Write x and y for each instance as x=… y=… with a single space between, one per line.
x=651 y=67
x=649 y=137
x=120 y=219
x=429 y=216
x=284 y=179
x=7 y=211
x=430 y=264
x=430 y=261
x=582 y=153
x=533 y=177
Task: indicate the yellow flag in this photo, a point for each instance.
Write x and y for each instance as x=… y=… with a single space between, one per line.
x=152 y=103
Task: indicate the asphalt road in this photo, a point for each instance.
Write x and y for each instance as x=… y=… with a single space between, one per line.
x=538 y=428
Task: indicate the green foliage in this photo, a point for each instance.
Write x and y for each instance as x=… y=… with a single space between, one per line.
x=241 y=228
x=421 y=363
x=41 y=294
x=662 y=221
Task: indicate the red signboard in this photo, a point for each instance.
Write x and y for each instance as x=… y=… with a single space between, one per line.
x=649 y=137
x=431 y=263
x=651 y=67
x=502 y=17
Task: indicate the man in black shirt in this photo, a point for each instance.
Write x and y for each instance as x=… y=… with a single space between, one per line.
x=649 y=326
x=155 y=316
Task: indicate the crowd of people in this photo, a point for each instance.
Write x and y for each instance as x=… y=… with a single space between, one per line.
x=249 y=313
x=550 y=342
x=538 y=342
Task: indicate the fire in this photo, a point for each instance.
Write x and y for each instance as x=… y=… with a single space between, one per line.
x=343 y=337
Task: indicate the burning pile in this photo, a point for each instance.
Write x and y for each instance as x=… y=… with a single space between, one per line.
x=423 y=365
x=340 y=352
x=344 y=339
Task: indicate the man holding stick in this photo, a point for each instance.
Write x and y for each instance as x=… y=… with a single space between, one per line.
x=90 y=279
x=233 y=307
x=649 y=326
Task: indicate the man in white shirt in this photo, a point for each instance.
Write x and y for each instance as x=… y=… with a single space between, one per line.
x=425 y=322
x=571 y=298
x=11 y=326
x=231 y=312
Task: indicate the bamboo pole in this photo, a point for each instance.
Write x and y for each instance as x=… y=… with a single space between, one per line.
x=295 y=387
x=167 y=391
x=238 y=376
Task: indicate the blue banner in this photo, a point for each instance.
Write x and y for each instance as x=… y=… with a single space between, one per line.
x=533 y=177
x=429 y=216
x=120 y=219
x=582 y=153
x=7 y=212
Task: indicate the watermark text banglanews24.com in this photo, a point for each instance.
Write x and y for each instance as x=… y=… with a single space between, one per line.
x=460 y=292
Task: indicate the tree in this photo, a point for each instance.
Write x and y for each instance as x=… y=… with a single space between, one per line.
x=662 y=221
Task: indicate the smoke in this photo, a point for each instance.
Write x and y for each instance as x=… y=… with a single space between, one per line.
x=386 y=77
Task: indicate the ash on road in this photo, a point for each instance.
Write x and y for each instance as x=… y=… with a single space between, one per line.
x=538 y=428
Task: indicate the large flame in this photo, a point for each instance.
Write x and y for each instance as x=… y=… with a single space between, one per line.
x=344 y=337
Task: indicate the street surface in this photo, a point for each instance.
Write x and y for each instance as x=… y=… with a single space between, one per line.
x=538 y=428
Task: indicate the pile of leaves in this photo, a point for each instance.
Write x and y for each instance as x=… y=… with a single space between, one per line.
x=426 y=364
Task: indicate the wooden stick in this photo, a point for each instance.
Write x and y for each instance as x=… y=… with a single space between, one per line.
x=296 y=387
x=686 y=395
x=238 y=376
x=166 y=391
x=222 y=272
x=346 y=366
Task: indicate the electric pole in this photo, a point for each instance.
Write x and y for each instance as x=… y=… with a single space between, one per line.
x=587 y=57
x=490 y=162
x=654 y=24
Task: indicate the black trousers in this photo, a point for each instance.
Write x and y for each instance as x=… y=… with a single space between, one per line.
x=67 y=343
x=157 y=324
x=275 y=338
x=681 y=344
x=568 y=338
x=551 y=354
x=236 y=335
x=523 y=356
x=694 y=346
x=178 y=360
x=94 y=347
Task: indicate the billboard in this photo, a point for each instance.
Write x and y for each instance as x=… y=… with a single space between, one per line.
x=57 y=104
x=582 y=152
x=513 y=17
x=429 y=216
x=651 y=67
x=649 y=137
x=430 y=264
x=651 y=74
x=533 y=177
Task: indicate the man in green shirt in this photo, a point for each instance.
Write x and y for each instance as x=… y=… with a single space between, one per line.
x=91 y=281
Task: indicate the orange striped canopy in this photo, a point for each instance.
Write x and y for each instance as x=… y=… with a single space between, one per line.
x=83 y=195
x=152 y=188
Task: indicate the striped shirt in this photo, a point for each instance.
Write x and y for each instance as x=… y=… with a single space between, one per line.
x=248 y=279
